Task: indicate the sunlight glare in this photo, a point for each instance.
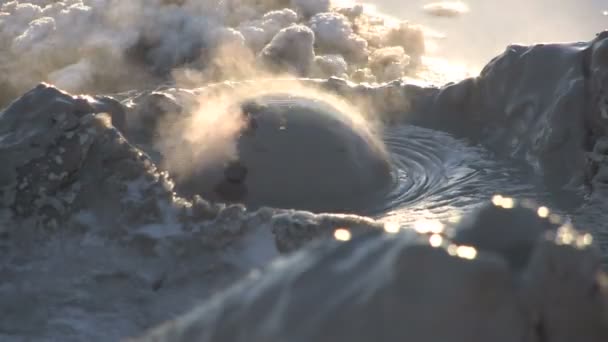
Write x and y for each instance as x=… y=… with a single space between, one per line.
x=342 y=234
x=466 y=252
x=543 y=212
x=436 y=240
x=428 y=226
x=503 y=202
x=584 y=240
x=565 y=235
x=391 y=227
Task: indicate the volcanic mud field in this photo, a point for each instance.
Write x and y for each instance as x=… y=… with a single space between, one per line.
x=293 y=171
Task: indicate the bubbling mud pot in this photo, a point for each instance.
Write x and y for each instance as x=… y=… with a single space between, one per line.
x=299 y=152
x=437 y=176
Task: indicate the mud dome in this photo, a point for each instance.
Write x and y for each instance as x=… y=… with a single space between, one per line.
x=298 y=153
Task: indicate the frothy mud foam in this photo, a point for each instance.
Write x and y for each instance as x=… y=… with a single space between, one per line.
x=282 y=208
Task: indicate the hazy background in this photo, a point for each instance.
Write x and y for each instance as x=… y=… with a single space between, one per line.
x=490 y=25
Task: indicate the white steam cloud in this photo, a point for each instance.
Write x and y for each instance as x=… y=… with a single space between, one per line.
x=115 y=45
x=446 y=8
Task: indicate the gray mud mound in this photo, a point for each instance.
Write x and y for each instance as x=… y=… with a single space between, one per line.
x=63 y=155
x=543 y=104
x=399 y=288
